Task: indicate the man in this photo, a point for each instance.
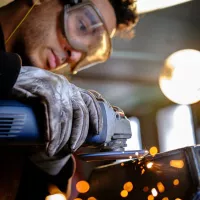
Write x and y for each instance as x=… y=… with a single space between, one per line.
x=56 y=35
x=45 y=41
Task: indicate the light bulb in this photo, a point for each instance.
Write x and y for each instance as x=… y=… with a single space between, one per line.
x=180 y=78
x=55 y=197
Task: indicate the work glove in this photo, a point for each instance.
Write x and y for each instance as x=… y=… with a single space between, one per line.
x=69 y=110
x=71 y=114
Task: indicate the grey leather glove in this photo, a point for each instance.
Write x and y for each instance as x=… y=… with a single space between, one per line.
x=69 y=109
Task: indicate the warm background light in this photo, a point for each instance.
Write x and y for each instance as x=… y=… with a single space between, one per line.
x=176 y=182
x=82 y=186
x=124 y=193
x=165 y=198
x=56 y=197
x=128 y=186
x=91 y=198
x=145 y=189
x=150 y=197
x=177 y=163
x=179 y=79
x=149 y=165
x=161 y=187
x=143 y=170
x=154 y=192
x=153 y=151
x=145 y=6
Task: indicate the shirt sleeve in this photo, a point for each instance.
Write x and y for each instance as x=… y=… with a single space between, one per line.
x=10 y=65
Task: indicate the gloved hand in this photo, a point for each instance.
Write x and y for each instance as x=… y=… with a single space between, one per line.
x=69 y=109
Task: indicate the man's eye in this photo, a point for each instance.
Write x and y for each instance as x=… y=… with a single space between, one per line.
x=82 y=26
x=94 y=31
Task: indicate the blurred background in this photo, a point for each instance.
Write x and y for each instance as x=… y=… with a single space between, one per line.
x=130 y=78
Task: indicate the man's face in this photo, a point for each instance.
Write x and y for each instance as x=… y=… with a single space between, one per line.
x=40 y=36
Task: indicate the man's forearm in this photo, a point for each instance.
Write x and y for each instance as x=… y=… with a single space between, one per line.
x=9 y=71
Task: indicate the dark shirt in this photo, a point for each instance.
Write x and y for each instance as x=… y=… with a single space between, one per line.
x=2 y=42
x=34 y=182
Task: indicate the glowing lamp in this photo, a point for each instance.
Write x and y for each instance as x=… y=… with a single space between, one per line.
x=180 y=78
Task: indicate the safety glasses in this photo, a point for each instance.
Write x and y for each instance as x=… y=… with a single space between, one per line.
x=85 y=31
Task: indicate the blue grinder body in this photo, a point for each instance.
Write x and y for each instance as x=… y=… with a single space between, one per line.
x=18 y=124
x=22 y=125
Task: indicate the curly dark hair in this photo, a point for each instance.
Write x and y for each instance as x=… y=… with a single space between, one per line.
x=126 y=15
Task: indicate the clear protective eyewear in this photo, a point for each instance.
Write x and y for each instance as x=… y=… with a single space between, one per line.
x=85 y=31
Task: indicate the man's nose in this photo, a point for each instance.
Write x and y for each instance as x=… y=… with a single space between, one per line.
x=74 y=56
x=71 y=55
